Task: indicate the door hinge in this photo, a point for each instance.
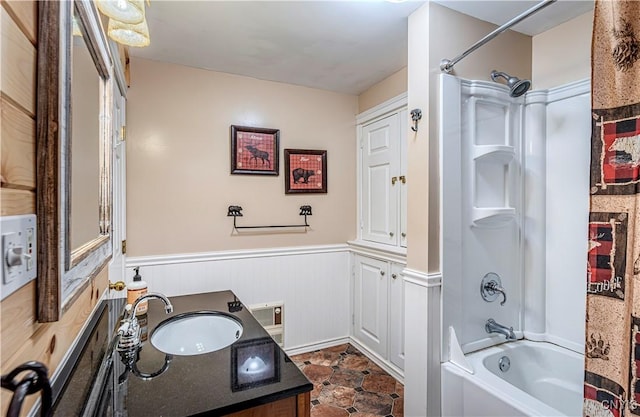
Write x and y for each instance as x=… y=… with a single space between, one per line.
x=124 y=246
x=123 y=133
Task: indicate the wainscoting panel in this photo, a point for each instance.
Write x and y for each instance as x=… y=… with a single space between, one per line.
x=313 y=283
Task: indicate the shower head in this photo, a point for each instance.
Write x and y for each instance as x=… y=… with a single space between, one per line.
x=517 y=86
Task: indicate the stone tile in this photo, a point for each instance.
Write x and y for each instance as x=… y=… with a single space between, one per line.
x=347 y=384
x=325 y=358
x=375 y=369
x=338 y=348
x=317 y=389
x=374 y=403
x=338 y=396
x=317 y=373
x=301 y=358
x=353 y=351
x=398 y=407
x=383 y=384
x=355 y=362
x=347 y=378
x=324 y=410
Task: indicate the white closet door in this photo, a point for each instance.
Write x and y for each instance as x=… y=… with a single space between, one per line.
x=380 y=153
x=402 y=204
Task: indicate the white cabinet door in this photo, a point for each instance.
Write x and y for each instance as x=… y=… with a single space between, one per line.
x=370 y=303
x=396 y=316
x=402 y=208
x=380 y=163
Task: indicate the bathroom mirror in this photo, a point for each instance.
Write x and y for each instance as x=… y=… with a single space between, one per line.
x=73 y=153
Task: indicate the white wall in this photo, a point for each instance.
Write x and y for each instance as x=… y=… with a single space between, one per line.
x=313 y=283
x=562 y=54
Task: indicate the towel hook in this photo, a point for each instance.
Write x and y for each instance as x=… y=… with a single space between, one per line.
x=416 y=115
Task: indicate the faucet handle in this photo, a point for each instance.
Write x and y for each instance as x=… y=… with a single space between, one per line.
x=490 y=287
x=494 y=287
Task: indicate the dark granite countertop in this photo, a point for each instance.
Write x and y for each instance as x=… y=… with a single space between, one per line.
x=209 y=384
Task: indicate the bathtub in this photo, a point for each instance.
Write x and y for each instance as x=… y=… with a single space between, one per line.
x=543 y=380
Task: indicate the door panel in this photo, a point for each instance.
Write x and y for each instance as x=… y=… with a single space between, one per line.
x=380 y=147
x=370 y=303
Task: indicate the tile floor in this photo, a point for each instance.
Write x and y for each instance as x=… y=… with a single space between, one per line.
x=347 y=384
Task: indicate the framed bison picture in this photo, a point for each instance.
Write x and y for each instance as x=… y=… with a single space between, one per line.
x=305 y=171
x=254 y=150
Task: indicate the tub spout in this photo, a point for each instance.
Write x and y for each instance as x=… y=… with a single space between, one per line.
x=493 y=327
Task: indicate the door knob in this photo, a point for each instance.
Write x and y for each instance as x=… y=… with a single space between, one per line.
x=382 y=273
x=393 y=180
x=118 y=285
x=403 y=234
x=402 y=179
x=394 y=276
x=390 y=234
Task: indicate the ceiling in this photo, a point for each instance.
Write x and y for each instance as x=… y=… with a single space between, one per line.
x=501 y=11
x=342 y=46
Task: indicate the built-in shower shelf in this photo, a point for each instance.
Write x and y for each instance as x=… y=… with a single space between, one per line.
x=492 y=217
x=503 y=154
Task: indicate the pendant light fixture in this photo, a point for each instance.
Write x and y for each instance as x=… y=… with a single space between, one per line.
x=129 y=34
x=125 y=11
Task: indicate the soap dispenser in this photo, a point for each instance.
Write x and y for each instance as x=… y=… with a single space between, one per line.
x=137 y=289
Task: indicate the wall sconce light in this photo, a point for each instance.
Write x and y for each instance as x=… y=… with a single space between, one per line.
x=125 y=11
x=129 y=34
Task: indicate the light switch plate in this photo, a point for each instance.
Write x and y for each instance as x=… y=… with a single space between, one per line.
x=19 y=252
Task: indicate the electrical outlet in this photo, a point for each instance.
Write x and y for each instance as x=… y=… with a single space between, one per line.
x=18 y=252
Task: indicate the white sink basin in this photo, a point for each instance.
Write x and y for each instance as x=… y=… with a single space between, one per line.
x=196 y=333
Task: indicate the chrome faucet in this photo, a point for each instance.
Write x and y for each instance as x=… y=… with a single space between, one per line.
x=129 y=331
x=167 y=304
x=494 y=327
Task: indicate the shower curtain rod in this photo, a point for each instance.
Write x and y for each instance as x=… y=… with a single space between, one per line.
x=446 y=65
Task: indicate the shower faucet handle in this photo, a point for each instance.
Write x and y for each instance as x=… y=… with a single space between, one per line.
x=491 y=287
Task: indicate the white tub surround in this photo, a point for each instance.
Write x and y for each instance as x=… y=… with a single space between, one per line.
x=542 y=380
x=515 y=190
x=481 y=186
x=566 y=206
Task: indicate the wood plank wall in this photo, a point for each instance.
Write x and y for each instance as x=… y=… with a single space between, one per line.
x=21 y=337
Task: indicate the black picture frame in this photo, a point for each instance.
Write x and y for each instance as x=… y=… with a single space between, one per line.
x=255 y=150
x=305 y=171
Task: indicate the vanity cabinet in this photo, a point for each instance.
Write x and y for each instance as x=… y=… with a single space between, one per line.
x=383 y=177
x=378 y=307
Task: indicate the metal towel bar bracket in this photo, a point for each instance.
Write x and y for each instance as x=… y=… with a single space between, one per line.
x=236 y=211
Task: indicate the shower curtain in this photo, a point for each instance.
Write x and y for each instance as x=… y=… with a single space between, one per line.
x=612 y=345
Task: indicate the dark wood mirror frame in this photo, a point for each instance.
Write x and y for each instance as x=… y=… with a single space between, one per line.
x=63 y=274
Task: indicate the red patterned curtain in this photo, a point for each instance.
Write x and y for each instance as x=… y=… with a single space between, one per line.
x=612 y=348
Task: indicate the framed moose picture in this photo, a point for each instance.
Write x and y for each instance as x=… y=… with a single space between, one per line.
x=254 y=150
x=305 y=171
